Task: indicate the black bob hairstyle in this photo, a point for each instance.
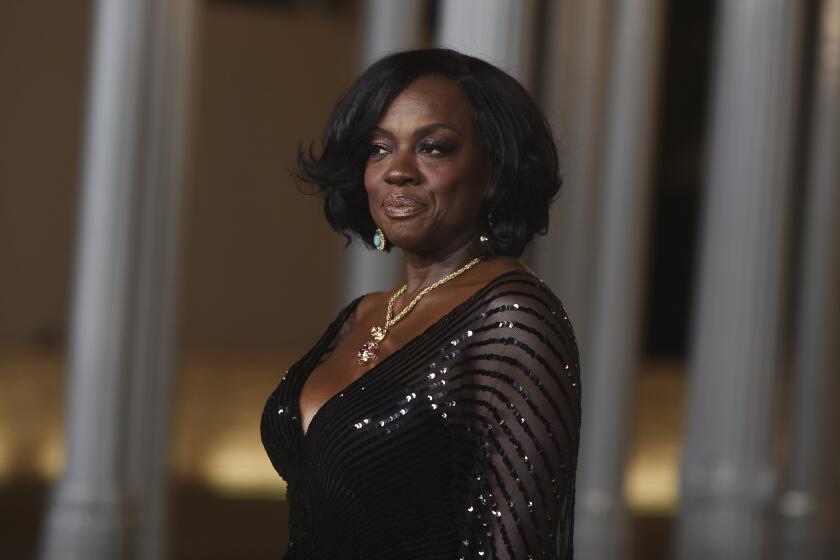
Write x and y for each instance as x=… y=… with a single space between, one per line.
x=518 y=144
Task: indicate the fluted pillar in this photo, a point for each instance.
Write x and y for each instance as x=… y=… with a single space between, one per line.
x=573 y=100
x=727 y=477
x=109 y=502
x=389 y=26
x=501 y=32
x=610 y=358
x=171 y=42
x=808 y=505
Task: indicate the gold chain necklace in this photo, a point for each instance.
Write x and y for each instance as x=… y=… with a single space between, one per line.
x=370 y=349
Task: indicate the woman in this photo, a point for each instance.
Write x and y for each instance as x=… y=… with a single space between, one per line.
x=439 y=420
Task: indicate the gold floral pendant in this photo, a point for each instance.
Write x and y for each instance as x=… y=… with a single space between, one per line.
x=368 y=352
x=370 y=349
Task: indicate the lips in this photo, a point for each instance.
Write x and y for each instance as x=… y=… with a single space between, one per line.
x=400 y=205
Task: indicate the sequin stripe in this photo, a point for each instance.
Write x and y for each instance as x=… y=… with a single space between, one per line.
x=474 y=521
x=570 y=393
x=564 y=336
x=503 y=532
x=527 y=349
x=511 y=361
x=478 y=341
x=514 y=514
x=517 y=446
x=559 y=336
x=487 y=541
x=551 y=300
x=508 y=323
x=488 y=437
x=475 y=533
x=527 y=429
x=546 y=302
x=540 y=385
x=549 y=430
x=487 y=466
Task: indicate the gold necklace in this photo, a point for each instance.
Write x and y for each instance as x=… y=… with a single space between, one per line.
x=370 y=349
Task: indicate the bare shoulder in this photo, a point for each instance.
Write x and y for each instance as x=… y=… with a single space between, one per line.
x=371 y=301
x=369 y=304
x=525 y=289
x=496 y=266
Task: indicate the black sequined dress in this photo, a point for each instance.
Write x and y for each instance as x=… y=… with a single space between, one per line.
x=461 y=444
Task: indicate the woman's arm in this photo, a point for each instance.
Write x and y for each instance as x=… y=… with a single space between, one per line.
x=516 y=388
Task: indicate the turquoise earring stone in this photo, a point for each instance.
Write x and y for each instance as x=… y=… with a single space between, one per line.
x=378 y=240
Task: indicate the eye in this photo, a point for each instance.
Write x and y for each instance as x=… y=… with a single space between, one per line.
x=377 y=149
x=434 y=148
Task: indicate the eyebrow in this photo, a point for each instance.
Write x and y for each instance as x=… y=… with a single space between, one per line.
x=420 y=132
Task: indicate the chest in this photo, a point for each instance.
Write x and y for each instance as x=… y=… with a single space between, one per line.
x=338 y=367
x=382 y=411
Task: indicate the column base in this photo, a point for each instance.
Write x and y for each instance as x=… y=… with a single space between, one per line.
x=602 y=528
x=85 y=527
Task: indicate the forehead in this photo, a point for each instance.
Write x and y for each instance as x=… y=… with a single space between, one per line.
x=429 y=99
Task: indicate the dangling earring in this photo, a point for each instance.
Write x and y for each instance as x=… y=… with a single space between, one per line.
x=483 y=237
x=379 y=240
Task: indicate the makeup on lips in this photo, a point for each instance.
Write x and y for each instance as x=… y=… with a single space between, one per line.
x=401 y=206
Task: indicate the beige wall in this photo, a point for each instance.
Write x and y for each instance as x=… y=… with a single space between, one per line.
x=43 y=51
x=260 y=266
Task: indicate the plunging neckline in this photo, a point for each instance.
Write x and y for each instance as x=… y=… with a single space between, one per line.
x=325 y=344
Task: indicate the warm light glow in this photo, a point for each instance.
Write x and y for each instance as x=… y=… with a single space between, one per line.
x=651 y=484
x=238 y=467
x=50 y=457
x=5 y=458
x=222 y=450
x=651 y=480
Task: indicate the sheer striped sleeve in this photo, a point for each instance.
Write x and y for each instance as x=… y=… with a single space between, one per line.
x=515 y=403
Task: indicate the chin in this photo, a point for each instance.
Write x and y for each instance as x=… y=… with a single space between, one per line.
x=410 y=243
x=406 y=231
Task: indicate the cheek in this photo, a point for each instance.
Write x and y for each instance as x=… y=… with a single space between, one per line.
x=373 y=188
x=369 y=179
x=459 y=186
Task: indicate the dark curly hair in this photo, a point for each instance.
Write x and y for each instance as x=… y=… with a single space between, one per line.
x=517 y=139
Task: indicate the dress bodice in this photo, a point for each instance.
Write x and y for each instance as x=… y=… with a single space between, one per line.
x=460 y=444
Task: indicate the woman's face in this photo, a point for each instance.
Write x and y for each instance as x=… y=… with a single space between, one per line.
x=426 y=173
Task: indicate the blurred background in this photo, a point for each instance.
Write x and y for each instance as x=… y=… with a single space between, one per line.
x=159 y=269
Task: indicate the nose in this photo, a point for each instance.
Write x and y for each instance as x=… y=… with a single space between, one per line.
x=402 y=171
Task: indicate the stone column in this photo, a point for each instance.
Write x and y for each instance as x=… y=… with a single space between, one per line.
x=610 y=357
x=573 y=100
x=501 y=32
x=171 y=42
x=727 y=477
x=109 y=501
x=389 y=26
x=808 y=506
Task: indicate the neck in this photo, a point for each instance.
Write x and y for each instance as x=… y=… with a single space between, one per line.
x=422 y=270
